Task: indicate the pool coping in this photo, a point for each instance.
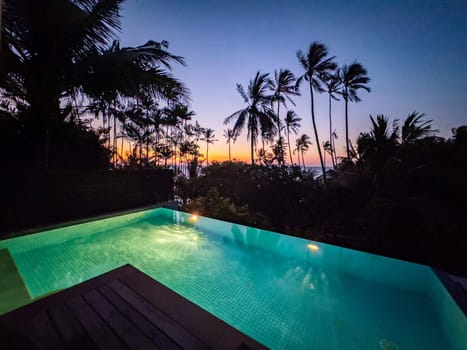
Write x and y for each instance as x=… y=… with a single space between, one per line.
x=454 y=288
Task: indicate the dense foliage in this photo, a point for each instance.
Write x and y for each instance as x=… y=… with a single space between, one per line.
x=397 y=198
x=255 y=186
x=60 y=63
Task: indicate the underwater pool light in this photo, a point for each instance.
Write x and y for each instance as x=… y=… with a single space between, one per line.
x=312 y=247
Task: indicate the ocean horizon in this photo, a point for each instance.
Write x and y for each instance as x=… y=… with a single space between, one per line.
x=316 y=169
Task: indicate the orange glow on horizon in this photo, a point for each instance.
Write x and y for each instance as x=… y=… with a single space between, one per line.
x=219 y=152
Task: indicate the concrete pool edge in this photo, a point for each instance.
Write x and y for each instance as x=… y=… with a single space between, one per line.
x=456 y=291
x=63 y=224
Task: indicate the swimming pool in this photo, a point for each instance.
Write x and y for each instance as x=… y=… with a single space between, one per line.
x=283 y=291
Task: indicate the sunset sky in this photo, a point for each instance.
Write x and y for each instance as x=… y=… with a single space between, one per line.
x=415 y=53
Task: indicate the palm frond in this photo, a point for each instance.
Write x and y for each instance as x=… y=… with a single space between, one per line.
x=353 y=78
x=241 y=91
x=415 y=128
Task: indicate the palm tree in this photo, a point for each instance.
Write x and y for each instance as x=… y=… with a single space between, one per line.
x=39 y=56
x=283 y=88
x=415 y=128
x=209 y=137
x=292 y=123
x=43 y=61
x=316 y=65
x=257 y=115
x=181 y=113
x=230 y=136
x=333 y=87
x=352 y=78
x=379 y=145
x=302 y=145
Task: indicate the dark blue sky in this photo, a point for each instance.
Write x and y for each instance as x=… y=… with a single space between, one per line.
x=415 y=53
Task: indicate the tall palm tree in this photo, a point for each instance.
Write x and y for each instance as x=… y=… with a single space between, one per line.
x=333 y=87
x=353 y=78
x=292 y=124
x=415 y=128
x=302 y=144
x=257 y=115
x=209 y=137
x=283 y=88
x=230 y=136
x=317 y=65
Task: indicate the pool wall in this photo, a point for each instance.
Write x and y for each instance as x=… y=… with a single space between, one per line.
x=59 y=196
x=394 y=273
x=372 y=267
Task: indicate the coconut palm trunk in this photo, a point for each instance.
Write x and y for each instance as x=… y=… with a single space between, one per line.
x=114 y=143
x=303 y=159
x=347 y=125
x=290 y=148
x=252 y=152
x=122 y=145
x=331 y=135
x=279 y=132
x=318 y=145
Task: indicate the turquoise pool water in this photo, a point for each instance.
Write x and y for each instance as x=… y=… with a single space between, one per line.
x=283 y=291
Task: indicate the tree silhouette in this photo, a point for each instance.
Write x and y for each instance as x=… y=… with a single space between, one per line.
x=302 y=145
x=333 y=87
x=415 y=128
x=230 y=136
x=283 y=88
x=378 y=146
x=209 y=137
x=353 y=78
x=292 y=124
x=317 y=65
x=257 y=115
x=43 y=62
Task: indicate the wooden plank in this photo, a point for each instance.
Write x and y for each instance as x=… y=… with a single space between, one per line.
x=211 y=330
x=110 y=327
x=41 y=329
x=96 y=328
x=42 y=305
x=70 y=328
x=185 y=339
x=131 y=335
x=150 y=329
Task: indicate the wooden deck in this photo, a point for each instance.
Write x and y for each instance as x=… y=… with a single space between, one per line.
x=122 y=309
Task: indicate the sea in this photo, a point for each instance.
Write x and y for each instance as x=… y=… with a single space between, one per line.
x=316 y=169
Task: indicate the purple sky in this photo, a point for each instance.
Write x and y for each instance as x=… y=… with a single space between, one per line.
x=415 y=53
